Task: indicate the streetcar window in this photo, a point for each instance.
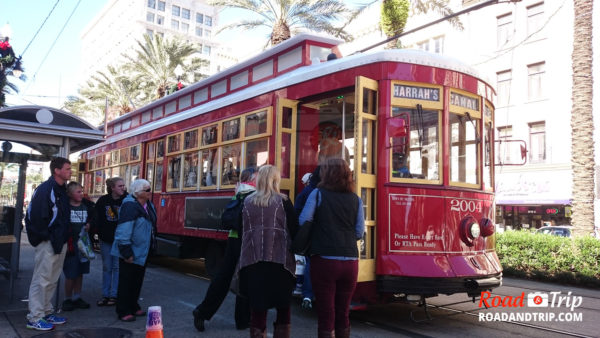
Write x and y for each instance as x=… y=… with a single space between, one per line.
x=158 y=176
x=463 y=149
x=124 y=155
x=173 y=143
x=230 y=171
x=160 y=149
x=190 y=139
x=134 y=172
x=231 y=129
x=150 y=173
x=257 y=153
x=209 y=135
x=190 y=170
x=415 y=152
x=150 y=151
x=174 y=173
x=134 y=153
x=115 y=157
x=256 y=123
x=209 y=166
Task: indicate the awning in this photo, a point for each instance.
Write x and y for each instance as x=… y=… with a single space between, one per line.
x=534 y=188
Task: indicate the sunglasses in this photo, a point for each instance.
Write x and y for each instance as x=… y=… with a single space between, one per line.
x=148 y=190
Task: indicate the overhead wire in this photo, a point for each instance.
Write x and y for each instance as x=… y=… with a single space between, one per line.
x=39 y=29
x=52 y=45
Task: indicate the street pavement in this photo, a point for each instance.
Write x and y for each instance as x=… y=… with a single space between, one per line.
x=177 y=293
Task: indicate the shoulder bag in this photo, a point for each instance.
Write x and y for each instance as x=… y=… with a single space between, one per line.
x=302 y=241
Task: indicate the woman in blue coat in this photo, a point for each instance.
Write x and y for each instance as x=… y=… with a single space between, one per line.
x=134 y=236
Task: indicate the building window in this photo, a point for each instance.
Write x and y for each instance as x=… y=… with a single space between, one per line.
x=149 y=32
x=151 y=3
x=161 y=6
x=535 y=15
x=537 y=142
x=207 y=33
x=198 y=31
x=503 y=154
x=208 y=20
x=160 y=20
x=176 y=10
x=503 y=80
x=505 y=29
x=535 y=81
x=185 y=27
x=150 y=17
x=423 y=45
x=175 y=24
x=185 y=13
x=161 y=34
x=199 y=18
x=438 y=45
x=206 y=50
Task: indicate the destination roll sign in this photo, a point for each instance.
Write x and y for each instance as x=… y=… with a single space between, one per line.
x=416 y=93
x=464 y=101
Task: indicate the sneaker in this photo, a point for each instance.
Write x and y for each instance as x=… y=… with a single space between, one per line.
x=81 y=304
x=68 y=305
x=307 y=303
x=54 y=319
x=298 y=290
x=198 y=320
x=40 y=325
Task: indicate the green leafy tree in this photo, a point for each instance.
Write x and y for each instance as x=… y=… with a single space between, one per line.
x=6 y=86
x=155 y=60
x=284 y=17
x=394 y=14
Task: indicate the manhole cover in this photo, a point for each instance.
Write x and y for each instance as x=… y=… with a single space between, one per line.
x=94 y=332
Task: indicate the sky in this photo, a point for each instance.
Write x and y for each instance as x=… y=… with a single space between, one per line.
x=51 y=61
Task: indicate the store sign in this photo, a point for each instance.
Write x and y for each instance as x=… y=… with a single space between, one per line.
x=531 y=188
x=552 y=211
x=416 y=93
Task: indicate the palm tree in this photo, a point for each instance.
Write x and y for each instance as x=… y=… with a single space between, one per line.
x=582 y=123
x=121 y=90
x=6 y=87
x=394 y=15
x=284 y=17
x=155 y=60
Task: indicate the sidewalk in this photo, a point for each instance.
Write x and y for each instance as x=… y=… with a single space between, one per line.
x=166 y=289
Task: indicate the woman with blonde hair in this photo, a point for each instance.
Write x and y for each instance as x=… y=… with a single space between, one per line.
x=266 y=264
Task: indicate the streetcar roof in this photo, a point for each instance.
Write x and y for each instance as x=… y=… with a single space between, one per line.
x=298 y=75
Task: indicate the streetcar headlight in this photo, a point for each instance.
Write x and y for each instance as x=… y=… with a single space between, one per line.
x=475 y=230
x=469 y=230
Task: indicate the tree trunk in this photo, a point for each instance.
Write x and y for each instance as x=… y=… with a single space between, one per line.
x=582 y=124
x=281 y=32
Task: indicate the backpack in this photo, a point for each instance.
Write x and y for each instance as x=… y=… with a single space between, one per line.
x=231 y=219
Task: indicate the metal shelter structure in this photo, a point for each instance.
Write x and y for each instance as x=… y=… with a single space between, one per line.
x=49 y=131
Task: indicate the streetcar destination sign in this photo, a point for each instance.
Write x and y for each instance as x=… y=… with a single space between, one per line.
x=418 y=93
x=464 y=101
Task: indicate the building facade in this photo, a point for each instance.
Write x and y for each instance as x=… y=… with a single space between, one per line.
x=116 y=28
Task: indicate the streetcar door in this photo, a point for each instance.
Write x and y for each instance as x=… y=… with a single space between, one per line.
x=365 y=138
x=285 y=152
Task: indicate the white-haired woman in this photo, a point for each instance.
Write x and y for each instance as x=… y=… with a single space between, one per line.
x=134 y=237
x=266 y=264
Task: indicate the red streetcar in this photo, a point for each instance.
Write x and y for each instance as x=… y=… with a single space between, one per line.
x=416 y=128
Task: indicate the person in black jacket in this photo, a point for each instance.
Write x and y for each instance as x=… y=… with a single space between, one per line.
x=219 y=285
x=47 y=224
x=107 y=212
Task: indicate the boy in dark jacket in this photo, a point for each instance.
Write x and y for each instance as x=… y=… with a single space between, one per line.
x=47 y=224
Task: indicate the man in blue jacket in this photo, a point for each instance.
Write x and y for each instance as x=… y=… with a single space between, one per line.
x=47 y=224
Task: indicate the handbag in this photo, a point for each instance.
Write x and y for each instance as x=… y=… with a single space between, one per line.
x=301 y=243
x=85 y=245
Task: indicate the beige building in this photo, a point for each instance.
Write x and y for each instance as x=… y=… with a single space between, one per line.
x=116 y=28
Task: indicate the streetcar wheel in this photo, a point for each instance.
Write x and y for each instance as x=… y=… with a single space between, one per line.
x=214 y=255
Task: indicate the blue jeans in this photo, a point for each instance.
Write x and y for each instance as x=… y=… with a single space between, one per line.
x=110 y=271
x=307 y=291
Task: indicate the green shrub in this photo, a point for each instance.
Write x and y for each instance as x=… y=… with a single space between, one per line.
x=546 y=257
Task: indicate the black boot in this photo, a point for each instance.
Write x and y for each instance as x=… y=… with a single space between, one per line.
x=342 y=332
x=198 y=320
x=281 y=330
